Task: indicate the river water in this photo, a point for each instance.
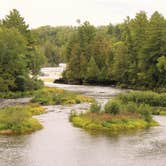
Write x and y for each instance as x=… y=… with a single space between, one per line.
x=61 y=144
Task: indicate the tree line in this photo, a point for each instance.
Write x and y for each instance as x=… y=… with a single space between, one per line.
x=130 y=54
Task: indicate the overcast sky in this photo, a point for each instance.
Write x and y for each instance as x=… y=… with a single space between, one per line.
x=65 y=12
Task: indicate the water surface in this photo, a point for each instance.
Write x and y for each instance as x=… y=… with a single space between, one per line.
x=61 y=144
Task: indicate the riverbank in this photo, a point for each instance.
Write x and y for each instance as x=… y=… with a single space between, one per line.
x=109 y=83
x=58 y=132
x=110 y=123
x=127 y=111
x=19 y=119
x=16 y=115
x=58 y=96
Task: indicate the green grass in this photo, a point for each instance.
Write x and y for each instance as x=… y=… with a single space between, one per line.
x=49 y=96
x=55 y=96
x=34 y=108
x=129 y=111
x=19 y=120
x=105 y=122
x=17 y=94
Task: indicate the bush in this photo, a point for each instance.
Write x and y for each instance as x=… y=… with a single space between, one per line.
x=95 y=107
x=131 y=107
x=145 y=111
x=25 y=83
x=113 y=107
x=144 y=97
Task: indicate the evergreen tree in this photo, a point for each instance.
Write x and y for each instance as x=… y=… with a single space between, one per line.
x=92 y=71
x=14 y=20
x=154 y=48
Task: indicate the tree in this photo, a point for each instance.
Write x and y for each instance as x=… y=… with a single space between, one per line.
x=154 y=48
x=14 y=20
x=92 y=71
x=120 y=63
x=161 y=66
x=12 y=58
x=131 y=53
x=19 y=56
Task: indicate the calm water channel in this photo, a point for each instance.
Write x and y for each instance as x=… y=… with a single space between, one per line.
x=61 y=144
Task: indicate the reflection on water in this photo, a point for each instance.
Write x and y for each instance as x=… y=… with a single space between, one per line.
x=61 y=144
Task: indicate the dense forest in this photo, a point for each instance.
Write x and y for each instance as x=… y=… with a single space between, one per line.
x=131 y=54
x=52 y=42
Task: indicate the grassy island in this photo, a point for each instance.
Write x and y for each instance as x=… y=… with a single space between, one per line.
x=111 y=123
x=18 y=119
x=55 y=96
x=123 y=113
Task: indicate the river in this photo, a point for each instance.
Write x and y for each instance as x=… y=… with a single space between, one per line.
x=61 y=144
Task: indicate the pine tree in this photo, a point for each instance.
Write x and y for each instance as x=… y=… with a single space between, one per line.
x=92 y=71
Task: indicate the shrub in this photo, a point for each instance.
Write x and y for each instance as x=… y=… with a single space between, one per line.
x=113 y=107
x=95 y=107
x=145 y=110
x=146 y=97
x=131 y=107
x=25 y=83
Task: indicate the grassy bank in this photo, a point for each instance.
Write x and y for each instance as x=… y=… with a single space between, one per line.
x=124 y=112
x=106 y=122
x=157 y=101
x=19 y=120
x=49 y=96
x=55 y=96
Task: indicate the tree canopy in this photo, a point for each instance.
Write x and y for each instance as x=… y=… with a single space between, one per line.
x=131 y=54
x=18 y=55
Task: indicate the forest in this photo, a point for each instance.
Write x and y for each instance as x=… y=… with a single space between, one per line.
x=131 y=54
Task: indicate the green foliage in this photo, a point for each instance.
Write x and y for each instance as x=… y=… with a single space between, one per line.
x=145 y=111
x=128 y=111
x=52 y=42
x=130 y=107
x=92 y=71
x=19 y=56
x=113 y=107
x=34 y=109
x=95 y=107
x=13 y=95
x=17 y=120
x=144 y=97
x=14 y=20
x=120 y=62
x=130 y=54
x=53 y=96
x=161 y=64
x=114 y=125
x=12 y=61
